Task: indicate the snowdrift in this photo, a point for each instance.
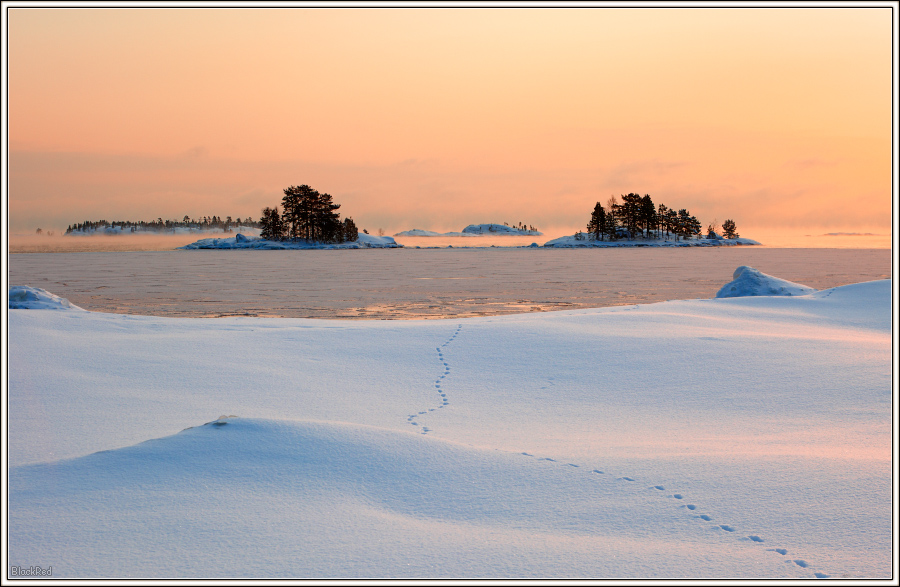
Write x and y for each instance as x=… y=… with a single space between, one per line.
x=266 y=498
x=751 y=282
x=34 y=298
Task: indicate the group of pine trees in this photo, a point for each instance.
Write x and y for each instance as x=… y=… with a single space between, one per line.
x=637 y=215
x=307 y=215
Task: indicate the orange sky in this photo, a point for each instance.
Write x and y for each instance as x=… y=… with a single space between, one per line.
x=438 y=118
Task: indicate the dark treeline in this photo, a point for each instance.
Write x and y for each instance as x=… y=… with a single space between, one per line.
x=636 y=216
x=160 y=225
x=307 y=215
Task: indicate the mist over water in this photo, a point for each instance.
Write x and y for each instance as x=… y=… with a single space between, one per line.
x=772 y=238
x=417 y=283
x=58 y=243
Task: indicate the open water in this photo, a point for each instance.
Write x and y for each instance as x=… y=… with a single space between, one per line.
x=417 y=283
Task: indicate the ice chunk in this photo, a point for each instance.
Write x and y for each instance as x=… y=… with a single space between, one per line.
x=752 y=282
x=22 y=297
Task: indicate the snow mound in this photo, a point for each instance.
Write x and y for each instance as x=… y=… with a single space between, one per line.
x=201 y=498
x=752 y=282
x=22 y=297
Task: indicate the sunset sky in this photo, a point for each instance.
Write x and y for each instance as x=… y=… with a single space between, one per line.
x=438 y=118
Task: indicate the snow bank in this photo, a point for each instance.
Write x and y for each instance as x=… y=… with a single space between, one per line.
x=34 y=298
x=572 y=242
x=751 y=282
x=239 y=241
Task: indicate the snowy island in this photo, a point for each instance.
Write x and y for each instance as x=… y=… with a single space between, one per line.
x=580 y=240
x=368 y=241
x=478 y=230
x=239 y=241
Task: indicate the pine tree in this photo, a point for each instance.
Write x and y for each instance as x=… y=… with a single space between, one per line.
x=729 y=230
x=596 y=227
x=350 y=232
x=610 y=226
x=272 y=225
x=648 y=214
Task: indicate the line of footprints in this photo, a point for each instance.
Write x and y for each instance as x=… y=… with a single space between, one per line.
x=414 y=420
x=695 y=513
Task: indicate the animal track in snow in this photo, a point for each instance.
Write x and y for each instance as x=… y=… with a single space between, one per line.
x=752 y=538
x=438 y=384
x=440 y=389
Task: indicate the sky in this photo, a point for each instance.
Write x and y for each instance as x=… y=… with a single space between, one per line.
x=441 y=117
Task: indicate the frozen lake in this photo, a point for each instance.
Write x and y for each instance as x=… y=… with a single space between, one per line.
x=417 y=283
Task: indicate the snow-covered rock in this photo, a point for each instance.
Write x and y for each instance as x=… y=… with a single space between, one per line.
x=752 y=282
x=22 y=297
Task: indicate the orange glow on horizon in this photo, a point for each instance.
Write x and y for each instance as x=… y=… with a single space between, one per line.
x=438 y=118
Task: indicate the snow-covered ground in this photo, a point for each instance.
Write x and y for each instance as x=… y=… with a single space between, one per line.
x=736 y=437
x=475 y=230
x=239 y=241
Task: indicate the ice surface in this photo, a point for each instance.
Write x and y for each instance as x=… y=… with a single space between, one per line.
x=751 y=282
x=727 y=431
x=35 y=298
x=417 y=283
